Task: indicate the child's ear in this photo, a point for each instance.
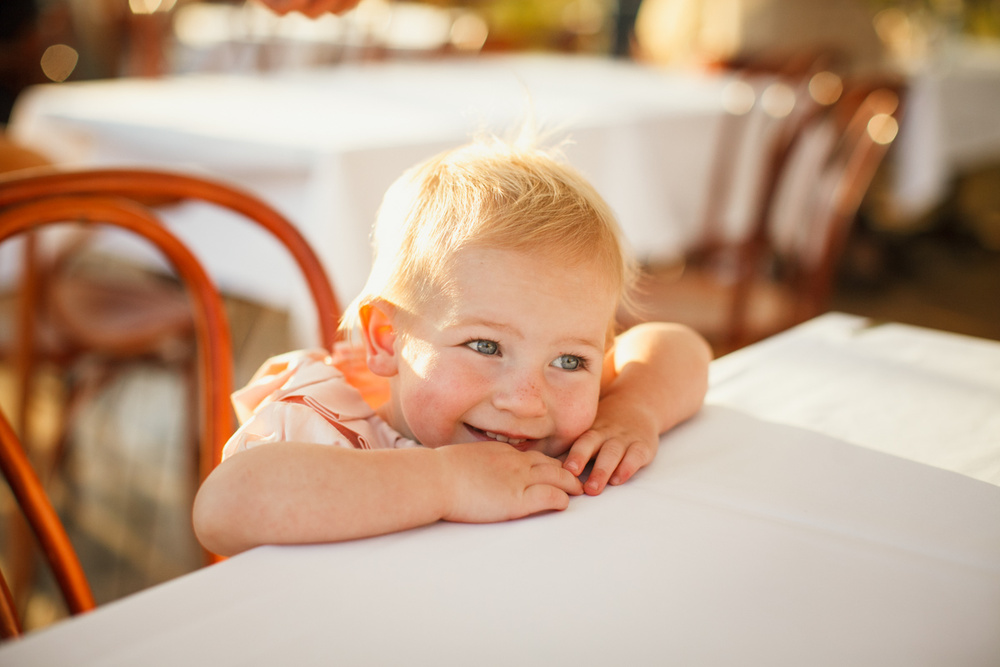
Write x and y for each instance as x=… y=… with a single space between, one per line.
x=380 y=337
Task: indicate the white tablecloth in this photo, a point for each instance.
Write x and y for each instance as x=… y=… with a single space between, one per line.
x=924 y=395
x=324 y=145
x=746 y=542
x=949 y=123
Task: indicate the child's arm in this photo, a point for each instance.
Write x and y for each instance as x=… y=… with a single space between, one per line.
x=656 y=376
x=295 y=493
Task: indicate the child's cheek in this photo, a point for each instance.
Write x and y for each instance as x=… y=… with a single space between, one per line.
x=438 y=404
x=421 y=411
x=576 y=412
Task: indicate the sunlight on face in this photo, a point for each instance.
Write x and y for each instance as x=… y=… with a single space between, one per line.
x=511 y=351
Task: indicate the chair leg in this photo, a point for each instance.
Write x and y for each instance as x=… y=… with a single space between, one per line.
x=21 y=570
x=21 y=562
x=10 y=624
x=194 y=437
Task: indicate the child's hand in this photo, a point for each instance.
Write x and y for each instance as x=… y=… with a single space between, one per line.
x=624 y=438
x=654 y=377
x=492 y=481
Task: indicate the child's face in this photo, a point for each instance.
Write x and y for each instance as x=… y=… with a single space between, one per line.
x=513 y=353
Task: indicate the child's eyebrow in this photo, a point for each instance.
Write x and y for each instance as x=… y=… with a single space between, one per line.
x=573 y=342
x=483 y=322
x=585 y=342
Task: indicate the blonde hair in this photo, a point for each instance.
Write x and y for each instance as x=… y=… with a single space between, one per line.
x=489 y=193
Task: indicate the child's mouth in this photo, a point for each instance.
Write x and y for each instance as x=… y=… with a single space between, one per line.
x=517 y=443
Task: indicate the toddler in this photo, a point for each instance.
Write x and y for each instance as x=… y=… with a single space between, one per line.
x=490 y=314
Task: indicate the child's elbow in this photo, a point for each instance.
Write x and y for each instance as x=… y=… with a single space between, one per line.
x=691 y=360
x=695 y=343
x=700 y=355
x=212 y=521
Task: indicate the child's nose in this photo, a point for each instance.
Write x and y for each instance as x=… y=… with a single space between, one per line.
x=521 y=396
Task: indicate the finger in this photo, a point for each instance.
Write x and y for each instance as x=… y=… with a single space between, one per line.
x=582 y=451
x=605 y=464
x=542 y=497
x=553 y=474
x=637 y=456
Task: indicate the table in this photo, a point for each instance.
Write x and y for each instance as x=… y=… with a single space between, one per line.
x=323 y=145
x=746 y=542
x=925 y=395
x=948 y=125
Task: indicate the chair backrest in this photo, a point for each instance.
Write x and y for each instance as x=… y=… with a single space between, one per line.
x=47 y=528
x=824 y=171
x=818 y=174
x=117 y=197
x=765 y=102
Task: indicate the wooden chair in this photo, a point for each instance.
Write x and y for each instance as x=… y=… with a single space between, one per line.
x=117 y=197
x=48 y=530
x=122 y=198
x=765 y=102
x=815 y=175
x=10 y=622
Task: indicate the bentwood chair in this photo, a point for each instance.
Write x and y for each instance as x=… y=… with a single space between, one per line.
x=94 y=322
x=765 y=102
x=781 y=271
x=48 y=530
x=120 y=198
x=10 y=623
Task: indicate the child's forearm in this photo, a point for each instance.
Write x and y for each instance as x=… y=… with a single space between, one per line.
x=663 y=367
x=296 y=493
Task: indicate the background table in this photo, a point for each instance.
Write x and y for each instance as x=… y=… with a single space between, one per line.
x=949 y=123
x=745 y=542
x=323 y=145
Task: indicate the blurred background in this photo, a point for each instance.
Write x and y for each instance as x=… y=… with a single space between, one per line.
x=892 y=251
x=938 y=266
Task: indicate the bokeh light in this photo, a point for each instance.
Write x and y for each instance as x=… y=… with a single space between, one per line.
x=883 y=128
x=738 y=97
x=58 y=62
x=825 y=87
x=778 y=100
x=150 y=6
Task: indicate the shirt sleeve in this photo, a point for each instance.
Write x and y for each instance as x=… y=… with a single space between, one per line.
x=303 y=397
x=283 y=421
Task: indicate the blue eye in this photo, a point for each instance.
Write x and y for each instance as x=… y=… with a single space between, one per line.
x=569 y=362
x=487 y=347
